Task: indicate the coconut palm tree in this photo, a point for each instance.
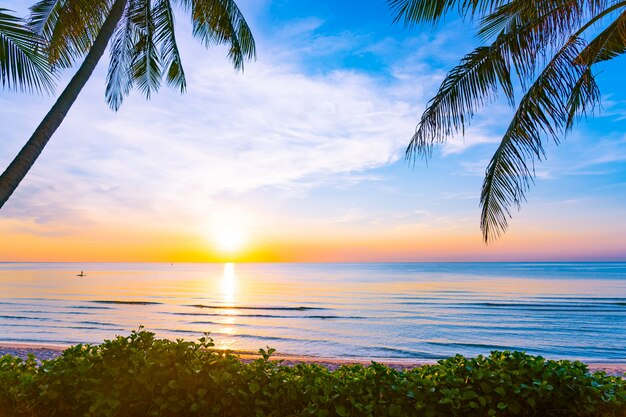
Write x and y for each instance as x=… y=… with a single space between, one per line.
x=548 y=49
x=23 y=65
x=143 y=52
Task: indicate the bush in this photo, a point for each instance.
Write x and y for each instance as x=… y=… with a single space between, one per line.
x=139 y=376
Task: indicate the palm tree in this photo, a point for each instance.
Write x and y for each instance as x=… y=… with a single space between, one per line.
x=546 y=48
x=23 y=65
x=143 y=52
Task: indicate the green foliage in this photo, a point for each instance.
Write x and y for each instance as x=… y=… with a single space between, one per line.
x=139 y=376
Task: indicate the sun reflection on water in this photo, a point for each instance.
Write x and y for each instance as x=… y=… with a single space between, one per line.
x=229 y=284
x=228 y=294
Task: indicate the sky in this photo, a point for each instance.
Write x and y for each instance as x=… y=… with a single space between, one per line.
x=300 y=158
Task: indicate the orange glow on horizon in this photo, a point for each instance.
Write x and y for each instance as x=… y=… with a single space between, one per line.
x=19 y=244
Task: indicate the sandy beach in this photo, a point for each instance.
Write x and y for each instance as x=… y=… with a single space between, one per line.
x=44 y=352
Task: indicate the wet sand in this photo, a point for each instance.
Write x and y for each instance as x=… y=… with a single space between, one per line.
x=44 y=352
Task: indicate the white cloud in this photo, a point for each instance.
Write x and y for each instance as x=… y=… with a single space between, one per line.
x=273 y=126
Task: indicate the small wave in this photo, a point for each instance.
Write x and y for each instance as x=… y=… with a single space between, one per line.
x=98 y=323
x=262 y=338
x=16 y=317
x=551 y=305
x=275 y=338
x=475 y=345
x=117 y=329
x=405 y=353
x=40 y=341
x=569 y=306
x=218 y=307
x=28 y=318
x=142 y=303
x=269 y=316
x=92 y=307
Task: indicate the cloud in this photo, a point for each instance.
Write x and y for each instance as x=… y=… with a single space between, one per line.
x=271 y=127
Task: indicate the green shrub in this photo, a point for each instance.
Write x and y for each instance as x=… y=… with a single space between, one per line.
x=140 y=376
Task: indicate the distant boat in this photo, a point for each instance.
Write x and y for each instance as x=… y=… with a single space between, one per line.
x=82 y=274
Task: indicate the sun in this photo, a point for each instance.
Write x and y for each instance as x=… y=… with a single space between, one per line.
x=229 y=239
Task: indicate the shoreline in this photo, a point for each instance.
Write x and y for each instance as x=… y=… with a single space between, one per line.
x=50 y=351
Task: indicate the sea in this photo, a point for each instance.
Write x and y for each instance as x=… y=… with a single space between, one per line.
x=416 y=311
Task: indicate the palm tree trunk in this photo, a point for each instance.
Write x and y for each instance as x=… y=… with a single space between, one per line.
x=19 y=167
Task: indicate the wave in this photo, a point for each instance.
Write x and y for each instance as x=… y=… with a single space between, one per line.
x=554 y=304
x=98 y=323
x=125 y=302
x=249 y=336
x=270 y=316
x=397 y=352
x=28 y=318
x=45 y=327
x=277 y=308
x=117 y=329
x=475 y=345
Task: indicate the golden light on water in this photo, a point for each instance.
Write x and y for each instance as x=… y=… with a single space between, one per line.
x=228 y=292
x=229 y=283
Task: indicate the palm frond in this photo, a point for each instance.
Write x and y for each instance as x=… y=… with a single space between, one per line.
x=120 y=79
x=165 y=37
x=610 y=43
x=476 y=82
x=69 y=27
x=421 y=11
x=583 y=99
x=221 y=22
x=23 y=66
x=558 y=16
x=146 y=65
x=542 y=112
x=478 y=78
x=467 y=87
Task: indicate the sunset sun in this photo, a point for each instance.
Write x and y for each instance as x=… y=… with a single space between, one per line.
x=229 y=239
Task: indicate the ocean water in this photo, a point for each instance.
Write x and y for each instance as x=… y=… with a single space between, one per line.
x=420 y=311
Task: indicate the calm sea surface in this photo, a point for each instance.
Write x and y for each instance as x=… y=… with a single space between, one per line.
x=386 y=310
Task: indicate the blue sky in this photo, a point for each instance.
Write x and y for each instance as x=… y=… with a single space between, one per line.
x=305 y=150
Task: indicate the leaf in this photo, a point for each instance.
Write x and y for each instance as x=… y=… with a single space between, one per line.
x=542 y=112
x=341 y=411
x=23 y=65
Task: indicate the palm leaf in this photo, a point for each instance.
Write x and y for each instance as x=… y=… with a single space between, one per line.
x=120 y=79
x=23 y=66
x=219 y=22
x=146 y=65
x=69 y=26
x=583 y=99
x=420 y=11
x=466 y=88
x=478 y=78
x=475 y=82
x=610 y=43
x=166 y=38
x=558 y=16
x=542 y=112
